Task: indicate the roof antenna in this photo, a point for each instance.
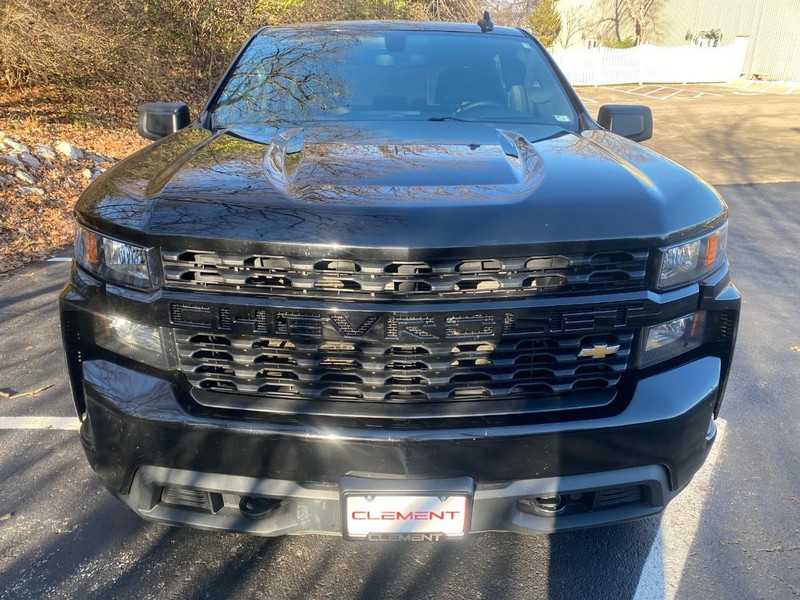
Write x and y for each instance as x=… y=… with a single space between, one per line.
x=486 y=22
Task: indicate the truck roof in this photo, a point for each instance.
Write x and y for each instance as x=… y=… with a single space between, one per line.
x=437 y=26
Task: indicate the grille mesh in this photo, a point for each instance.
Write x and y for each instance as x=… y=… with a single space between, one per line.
x=345 y=278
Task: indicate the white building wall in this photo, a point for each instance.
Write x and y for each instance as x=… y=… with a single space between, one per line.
x=772 y=26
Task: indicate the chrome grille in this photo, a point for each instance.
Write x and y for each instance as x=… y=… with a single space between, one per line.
x=353 y=278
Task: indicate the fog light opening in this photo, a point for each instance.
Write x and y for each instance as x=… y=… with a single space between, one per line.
x=569 y=504
x=192 y=498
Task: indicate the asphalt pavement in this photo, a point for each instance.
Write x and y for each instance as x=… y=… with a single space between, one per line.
x=734 y=533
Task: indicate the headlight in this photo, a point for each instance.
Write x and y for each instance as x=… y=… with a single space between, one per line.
x=115 y=261
x=690 y=261
x=671 y=339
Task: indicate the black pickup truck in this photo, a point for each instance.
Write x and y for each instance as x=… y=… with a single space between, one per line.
x=395 y=283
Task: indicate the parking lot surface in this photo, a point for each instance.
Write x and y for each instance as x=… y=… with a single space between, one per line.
x=735 y=533
x=723 y=134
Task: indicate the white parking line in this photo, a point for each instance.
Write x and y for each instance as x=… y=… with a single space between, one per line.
x=60 y=259
x=663 y=571
x=673 y=94
x=655 y=91
x=660 y=88
x=60 y=423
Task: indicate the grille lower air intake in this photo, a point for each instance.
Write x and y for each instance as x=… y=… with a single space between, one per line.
x=460 y=359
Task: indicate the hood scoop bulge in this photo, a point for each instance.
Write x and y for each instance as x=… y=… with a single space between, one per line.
x=299 y=164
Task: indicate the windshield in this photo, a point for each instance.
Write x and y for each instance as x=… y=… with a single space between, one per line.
x=316 y=75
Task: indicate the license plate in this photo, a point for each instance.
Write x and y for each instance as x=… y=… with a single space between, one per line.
x=396 y=511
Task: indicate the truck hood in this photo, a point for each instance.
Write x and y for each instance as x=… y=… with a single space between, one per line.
x=399 y=185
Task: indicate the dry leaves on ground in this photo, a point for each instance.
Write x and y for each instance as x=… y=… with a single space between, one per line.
x=33 y=227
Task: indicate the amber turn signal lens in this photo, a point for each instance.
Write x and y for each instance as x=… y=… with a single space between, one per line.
x=711 y=249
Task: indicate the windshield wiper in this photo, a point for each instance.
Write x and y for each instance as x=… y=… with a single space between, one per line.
x=449 y=118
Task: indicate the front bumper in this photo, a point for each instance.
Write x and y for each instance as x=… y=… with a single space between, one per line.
x=140 y=441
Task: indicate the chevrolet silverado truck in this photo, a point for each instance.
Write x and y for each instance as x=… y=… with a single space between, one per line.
x=395 y=283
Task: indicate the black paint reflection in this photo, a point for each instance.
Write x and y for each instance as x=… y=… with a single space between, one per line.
x=327 y=141
x=395 y=184
x=353 y=74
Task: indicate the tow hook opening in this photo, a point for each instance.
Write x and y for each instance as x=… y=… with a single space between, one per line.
x=254 y=507
x=548 y=505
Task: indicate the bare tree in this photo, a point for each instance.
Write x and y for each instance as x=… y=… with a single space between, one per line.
x=574 y=23
x=641 y=13
x=454 y=10
x=610 y=21
x=41 y=41
x=512 y=13
x=619 y=20
x=132 y=50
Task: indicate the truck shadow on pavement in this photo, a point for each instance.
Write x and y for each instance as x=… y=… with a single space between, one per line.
x=91 y=546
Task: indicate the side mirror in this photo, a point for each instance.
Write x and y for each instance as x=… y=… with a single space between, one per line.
x=160 y=119
x=632 y=122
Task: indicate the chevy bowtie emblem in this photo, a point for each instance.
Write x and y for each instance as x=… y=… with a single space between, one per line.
x=598 y=351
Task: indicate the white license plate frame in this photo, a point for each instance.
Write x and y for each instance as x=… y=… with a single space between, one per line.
x=406 y=511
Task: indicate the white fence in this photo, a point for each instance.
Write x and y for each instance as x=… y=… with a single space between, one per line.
x=652 y=64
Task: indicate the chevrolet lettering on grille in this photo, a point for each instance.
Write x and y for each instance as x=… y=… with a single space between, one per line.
x=399 y=327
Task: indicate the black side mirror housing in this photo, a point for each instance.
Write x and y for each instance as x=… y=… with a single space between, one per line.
x=160 y=119
x=632 y=122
